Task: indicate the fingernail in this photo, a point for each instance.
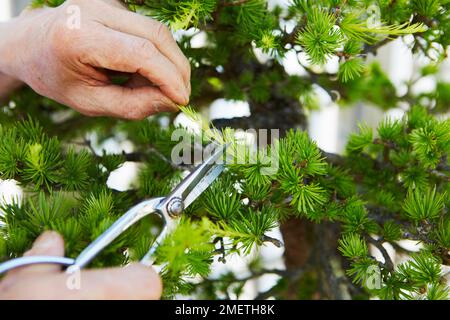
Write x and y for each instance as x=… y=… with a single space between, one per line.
x=183 y=97
x=168 y=106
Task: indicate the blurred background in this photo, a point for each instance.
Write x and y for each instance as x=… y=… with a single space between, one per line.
x=330 y=126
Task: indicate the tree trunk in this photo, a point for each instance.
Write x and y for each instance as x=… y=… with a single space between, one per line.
x=298 y=237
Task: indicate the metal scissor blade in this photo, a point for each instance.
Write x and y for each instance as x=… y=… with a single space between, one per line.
x=203 y=184
x=171 y=224
x=201 y=178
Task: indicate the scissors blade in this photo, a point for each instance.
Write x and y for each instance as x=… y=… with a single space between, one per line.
x=115 y=230
x=197 y=181
x=203 y=184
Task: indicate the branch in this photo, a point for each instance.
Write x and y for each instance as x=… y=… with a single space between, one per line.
x=293 y=276
x=277 y=243
x=163 y=158
x=374 y=48
x=253 y=275
x=234 y=3
x=379 y=245
x=290 y=38
x=333 y=158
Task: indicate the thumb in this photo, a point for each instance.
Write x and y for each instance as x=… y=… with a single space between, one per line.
x=135 y=282
x=49 y=243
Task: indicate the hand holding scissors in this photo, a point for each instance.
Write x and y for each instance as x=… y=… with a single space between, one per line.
x=169 y=208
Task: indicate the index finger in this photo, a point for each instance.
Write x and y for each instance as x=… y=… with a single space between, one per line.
x=126 y=21
x=127 y=53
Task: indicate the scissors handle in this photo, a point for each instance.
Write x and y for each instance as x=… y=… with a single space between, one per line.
x=168 y=208
x=121 y=225
x=28 y=261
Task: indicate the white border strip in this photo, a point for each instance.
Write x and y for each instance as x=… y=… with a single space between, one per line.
x=5 y=10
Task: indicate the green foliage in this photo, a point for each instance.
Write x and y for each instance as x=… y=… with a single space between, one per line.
x=353 y=247
x=355 y=28
x=41 y=162
x=375 y=88
x=248 y=229
x=361 y=270
x=307 y=197
x=431 y=141
x=12 y=153
x=443 y=233
x=356 y=218
x=418 y=278
x=426 y=8
x=50 y=3
x=358 y=142
x=300 y=160
x=299 y=151
x=422 y=269
x=222 y=201
x=320 y=39
x=188 y=249
x=96 y=211
x=391 y=184
x=351 y=69
x=392 y=231
x=390 y=130
x=182 y=14
x=74 y=174
x=46 y=210
x=424 y=205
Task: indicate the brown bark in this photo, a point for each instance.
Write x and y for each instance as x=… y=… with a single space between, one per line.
x=298 y=239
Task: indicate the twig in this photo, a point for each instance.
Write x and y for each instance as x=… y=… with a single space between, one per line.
x=277 y=243
x=293 y=276
x=168 y=161
x=333 y=158
x=374 y=48
x=136 y=156
x=234 y=3
x=88 y=144
x=379 y=245
x=440 y=175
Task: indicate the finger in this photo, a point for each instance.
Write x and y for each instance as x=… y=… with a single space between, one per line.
x=49 y=243
x=116 y=3
x=127 y=53
x=135 y=282
x=128 y=103
x=129 y=22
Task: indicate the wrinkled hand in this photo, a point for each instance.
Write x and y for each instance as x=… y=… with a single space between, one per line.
x=72 y=65
x=48 y=282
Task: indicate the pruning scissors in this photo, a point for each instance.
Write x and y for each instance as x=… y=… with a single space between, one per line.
x=169 y=208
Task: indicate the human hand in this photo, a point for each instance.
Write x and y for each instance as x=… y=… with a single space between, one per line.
x=71 y=65
x=48 y=282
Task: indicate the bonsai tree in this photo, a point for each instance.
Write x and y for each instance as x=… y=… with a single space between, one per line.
x=392 y=182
